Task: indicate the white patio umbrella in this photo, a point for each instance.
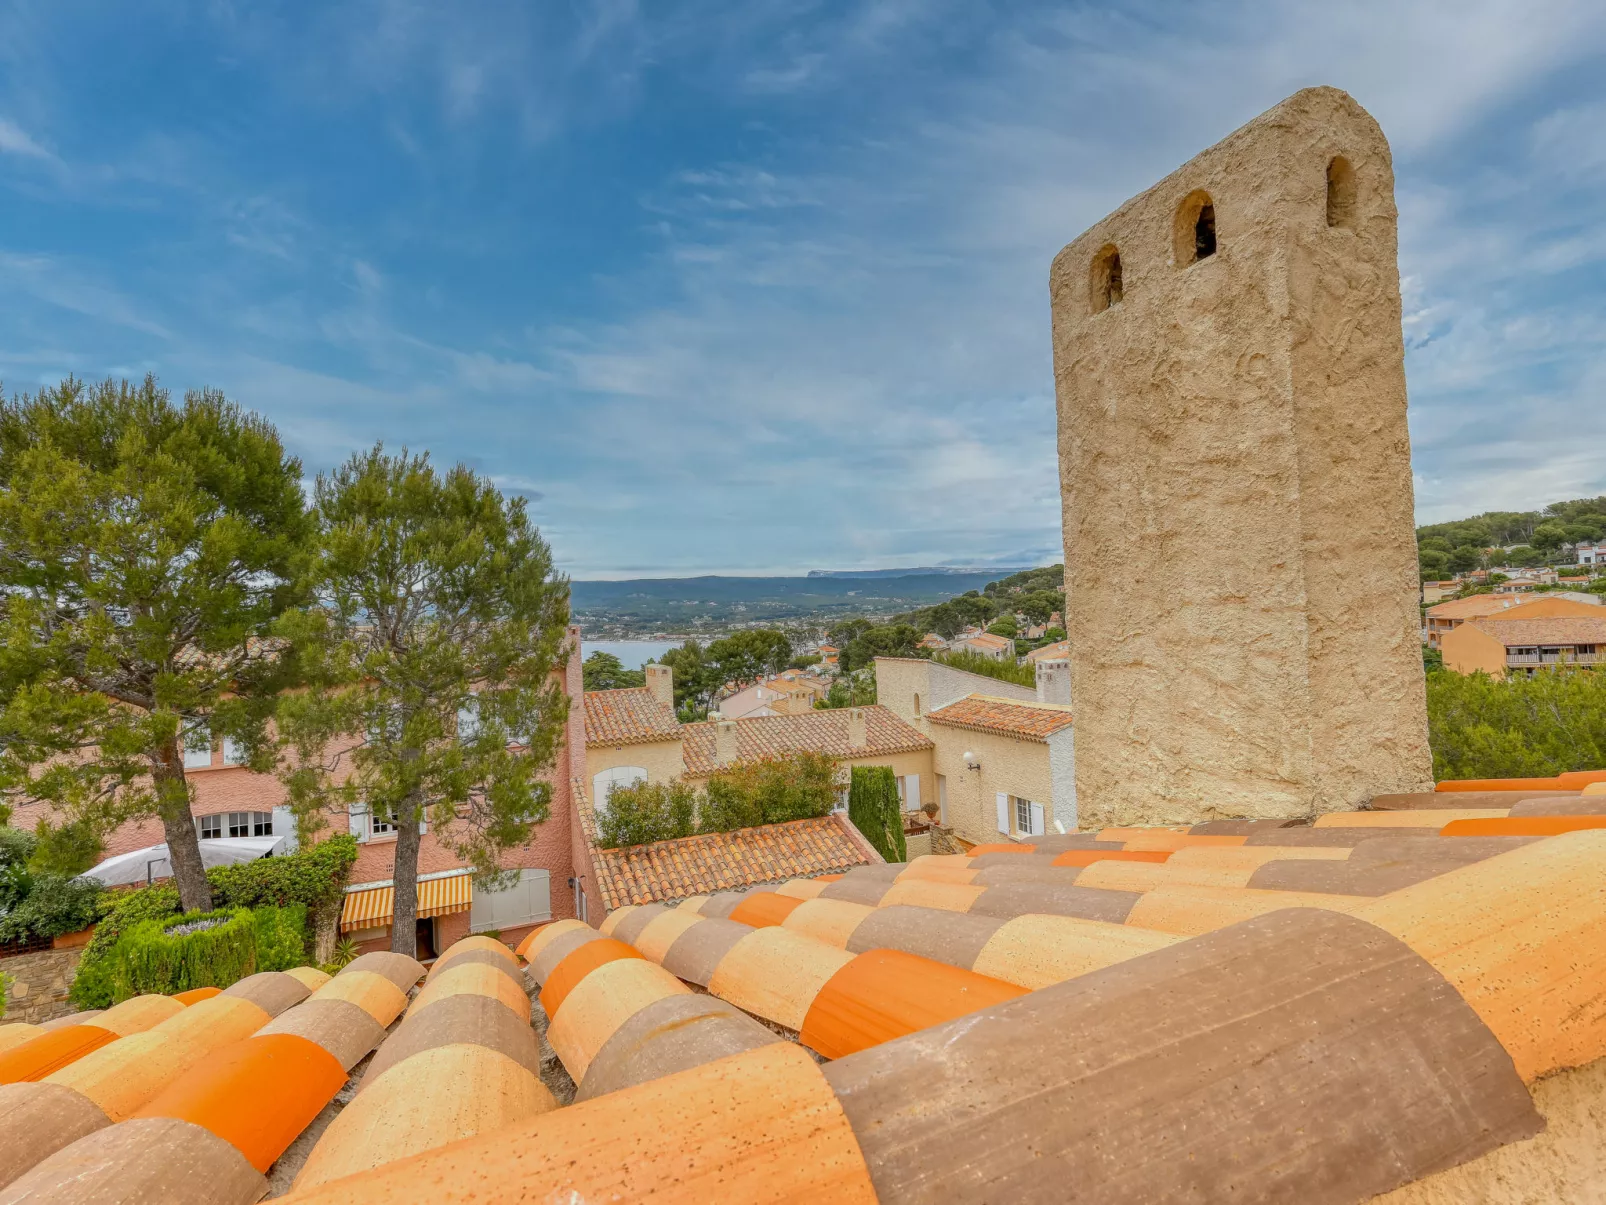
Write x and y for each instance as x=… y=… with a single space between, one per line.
x=152 y=862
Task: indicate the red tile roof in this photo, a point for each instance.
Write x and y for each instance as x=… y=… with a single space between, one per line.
x=687 y=866
x=824 y=731
x=628 y=717
x=984 y=713
x=1559 y=630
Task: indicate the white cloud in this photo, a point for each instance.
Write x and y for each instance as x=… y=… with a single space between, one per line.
x=15 y=141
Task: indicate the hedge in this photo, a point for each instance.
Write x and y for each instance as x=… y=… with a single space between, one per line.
x=314 y=878
x=219 y=948
x=876 y=811
x=281 y=937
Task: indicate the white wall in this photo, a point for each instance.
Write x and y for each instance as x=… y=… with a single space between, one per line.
x=1062 y=770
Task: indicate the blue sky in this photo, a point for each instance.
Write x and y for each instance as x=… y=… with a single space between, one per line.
x=757 y=286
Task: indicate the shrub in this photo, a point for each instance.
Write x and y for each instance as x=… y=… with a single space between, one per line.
x=876 y=811
x=345 y=953
x=975 y=663
x=790 y=786
x=646 y=812
x=5 y=985
x=314 y=877
x=1520 y=727
x=69 y=850
x=54 y=905
x=16 y=847
x=196 y=949
x=281 y=937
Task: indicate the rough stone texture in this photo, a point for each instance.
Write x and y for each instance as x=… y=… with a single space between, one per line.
x=39 y=982
x=1235 y=427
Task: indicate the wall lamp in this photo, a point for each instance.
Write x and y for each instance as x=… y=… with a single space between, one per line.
x=970 y=760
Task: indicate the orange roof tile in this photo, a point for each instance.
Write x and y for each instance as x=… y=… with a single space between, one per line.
x=1472 y=608
x=628 y=717
x=824 y=731
x=983 y=713
x=1559 y=630
x=687 y=866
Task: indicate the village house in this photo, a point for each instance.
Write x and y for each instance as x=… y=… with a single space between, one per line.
x=1502 y=644
x=791 y=692
x=1447 y=616
x=985 y=644
x=231 y=800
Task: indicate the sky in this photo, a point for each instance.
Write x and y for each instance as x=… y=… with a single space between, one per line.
x=750 y=286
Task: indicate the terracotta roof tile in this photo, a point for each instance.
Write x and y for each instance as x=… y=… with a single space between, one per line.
x=1472 y=608
x=1559 y=630
x=983 y=713
x=628 y=717
x=825 y=731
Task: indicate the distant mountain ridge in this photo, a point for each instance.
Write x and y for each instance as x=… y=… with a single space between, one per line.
x=922 y=571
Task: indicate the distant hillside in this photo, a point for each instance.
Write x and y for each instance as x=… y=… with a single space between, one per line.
x=691 y=604
x=1534 y=537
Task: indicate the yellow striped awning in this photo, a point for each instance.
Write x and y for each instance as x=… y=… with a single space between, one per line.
x=371 y=907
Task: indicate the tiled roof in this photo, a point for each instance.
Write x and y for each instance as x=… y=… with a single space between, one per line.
x=823 y=731
x=984 y=713
x=1051 y=652
x=628 y=717
x=1559 y=630
x=987 y=640
x=1472 y=608
x=688 y=866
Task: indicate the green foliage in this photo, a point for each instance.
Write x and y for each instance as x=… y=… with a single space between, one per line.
x=439 y=631
x=700 y=671
x=857 y=689
x=792 y=786
x=159 y=956
x=879 y=640
x=313 y=878
x=604 y=671
x=876 y=811
x=5 y=986
x=803 y=661
x=647 y=812
x=1432 y=659
x=1533 y=536
x=145 y=550
x=281 y=937
x=1005 y=626
x=1520 y=727
x=976 y=663
x=55 y=904
x=345 y=954
x=67 y=849
x=16 y=848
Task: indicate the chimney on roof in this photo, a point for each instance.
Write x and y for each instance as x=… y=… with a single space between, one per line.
x=725 y=742
x=661 y=681
x=858 y=735
x=1054 y=680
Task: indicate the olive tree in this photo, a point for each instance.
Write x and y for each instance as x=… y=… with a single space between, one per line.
x=431 y=656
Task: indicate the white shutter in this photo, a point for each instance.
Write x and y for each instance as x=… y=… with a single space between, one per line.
x=1003 y=812
x=357 y=821
x=1037 y=820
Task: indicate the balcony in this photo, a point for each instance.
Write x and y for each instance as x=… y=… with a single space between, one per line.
x=1554 y=657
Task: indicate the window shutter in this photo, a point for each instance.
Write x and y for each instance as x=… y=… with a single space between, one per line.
x=357 y=821
x=1037 y=820
x=1003 y=813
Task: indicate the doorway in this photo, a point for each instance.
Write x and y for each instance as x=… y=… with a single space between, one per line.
x=424 y=936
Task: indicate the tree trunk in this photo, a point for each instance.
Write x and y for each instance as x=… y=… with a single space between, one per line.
x=404 y=921
x=178 y=825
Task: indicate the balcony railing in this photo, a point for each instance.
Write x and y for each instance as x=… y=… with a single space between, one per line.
x=1556 y=658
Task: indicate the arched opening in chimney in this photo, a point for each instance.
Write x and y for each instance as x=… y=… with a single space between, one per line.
x=1341 y=193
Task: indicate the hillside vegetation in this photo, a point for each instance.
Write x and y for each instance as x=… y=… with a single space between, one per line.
x=1533 y=537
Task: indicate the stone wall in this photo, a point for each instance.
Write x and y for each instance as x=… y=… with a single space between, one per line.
x=39 y=982
x=1235 y=474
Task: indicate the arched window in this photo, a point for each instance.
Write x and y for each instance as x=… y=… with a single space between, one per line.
x=608 y=781
x=1195 y=233
x=917 y=704
x=1106 y=279
x=1341 y=193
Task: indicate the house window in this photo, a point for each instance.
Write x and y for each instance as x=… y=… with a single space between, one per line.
x=198 y=750
x=211 y=826
x=468 y=719
x=379 y=828
x=607 y=782
x=1029 y=818
x=233 y=752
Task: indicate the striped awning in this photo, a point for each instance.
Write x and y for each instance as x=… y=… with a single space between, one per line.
x=371 y=907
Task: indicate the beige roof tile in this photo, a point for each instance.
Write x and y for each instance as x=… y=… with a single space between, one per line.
x=628 y=717
x=984 y=713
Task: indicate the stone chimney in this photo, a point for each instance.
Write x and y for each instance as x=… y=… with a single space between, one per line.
x=1054 y=681
x=858 y=736
x=725 y=743
x=661 y=681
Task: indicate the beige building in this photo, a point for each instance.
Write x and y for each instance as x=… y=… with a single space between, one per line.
x=791 y=692
x=1229 y=366
x=1448 y=616
x=1003 y=758
x=632 y=735
x=1504 y=644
